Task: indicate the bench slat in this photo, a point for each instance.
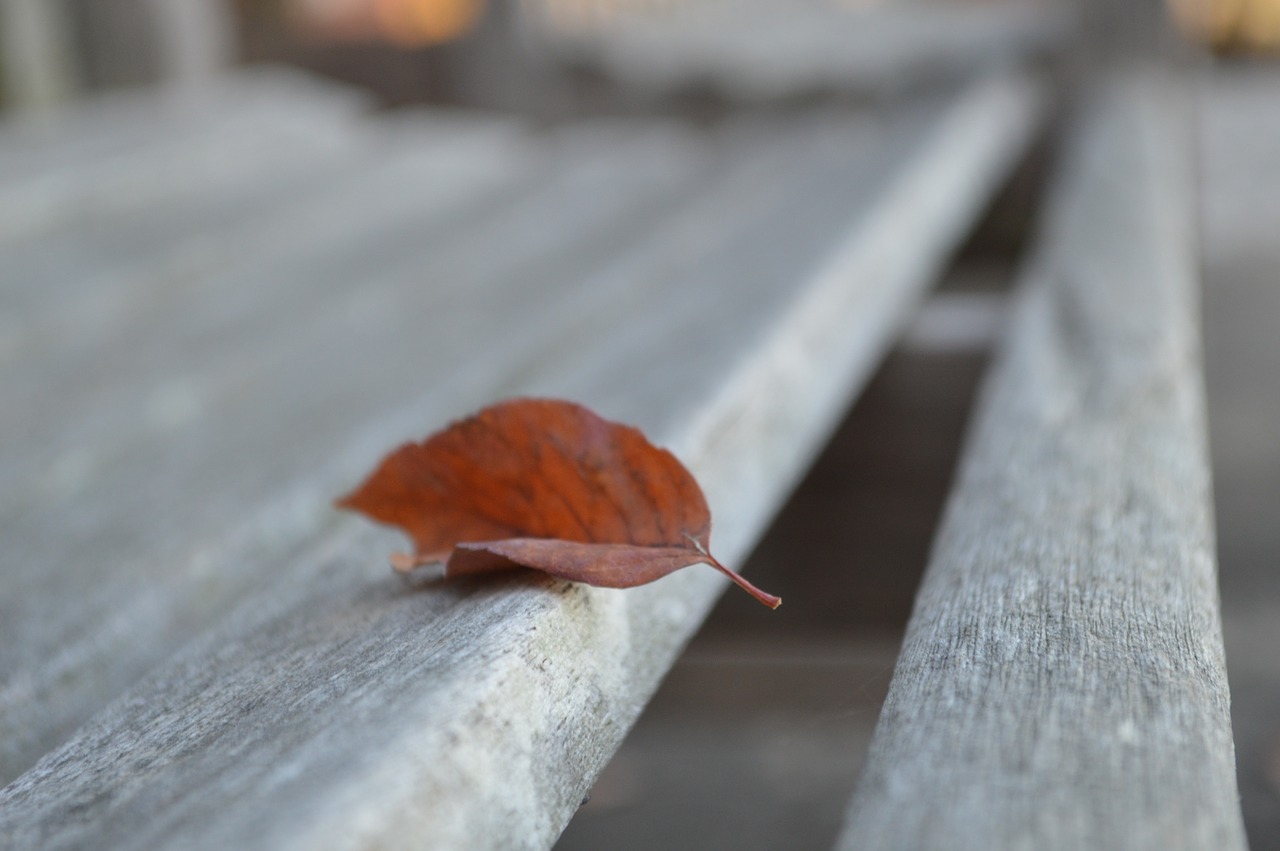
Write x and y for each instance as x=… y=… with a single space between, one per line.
x=1062 y=683
x=338 y=708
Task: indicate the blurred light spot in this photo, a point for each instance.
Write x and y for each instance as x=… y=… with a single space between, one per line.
x=406 y=23
x=422 y=22
x=1231 y=24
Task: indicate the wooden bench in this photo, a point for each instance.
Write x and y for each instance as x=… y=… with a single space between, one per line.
x=196 y=651
x=235 y=666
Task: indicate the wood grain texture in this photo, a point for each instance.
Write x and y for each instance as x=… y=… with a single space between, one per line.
x=1062 y=684
x=336 y=708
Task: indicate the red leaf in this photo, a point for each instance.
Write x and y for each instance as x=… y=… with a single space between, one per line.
x=549 y=485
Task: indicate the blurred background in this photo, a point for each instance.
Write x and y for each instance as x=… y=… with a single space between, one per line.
x=528 y=55
x=747 y=744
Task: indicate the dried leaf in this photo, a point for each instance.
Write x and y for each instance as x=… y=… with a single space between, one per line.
x=549 y=485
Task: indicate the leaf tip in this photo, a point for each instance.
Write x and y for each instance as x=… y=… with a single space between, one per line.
x=346 y=502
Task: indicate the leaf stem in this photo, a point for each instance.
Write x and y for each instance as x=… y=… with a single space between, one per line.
x=763 y=596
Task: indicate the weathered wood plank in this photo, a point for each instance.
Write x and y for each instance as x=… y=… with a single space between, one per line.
x=1062 y=684
x=125 y=152
x=77 y=286
x=336 y=708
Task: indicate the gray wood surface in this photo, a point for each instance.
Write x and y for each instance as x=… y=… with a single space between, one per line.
x=731 y=307
x=108 y=274
x=126 y=150
x=1062 y=683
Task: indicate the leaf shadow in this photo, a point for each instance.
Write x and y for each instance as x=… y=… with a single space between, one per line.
x=430 y=579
